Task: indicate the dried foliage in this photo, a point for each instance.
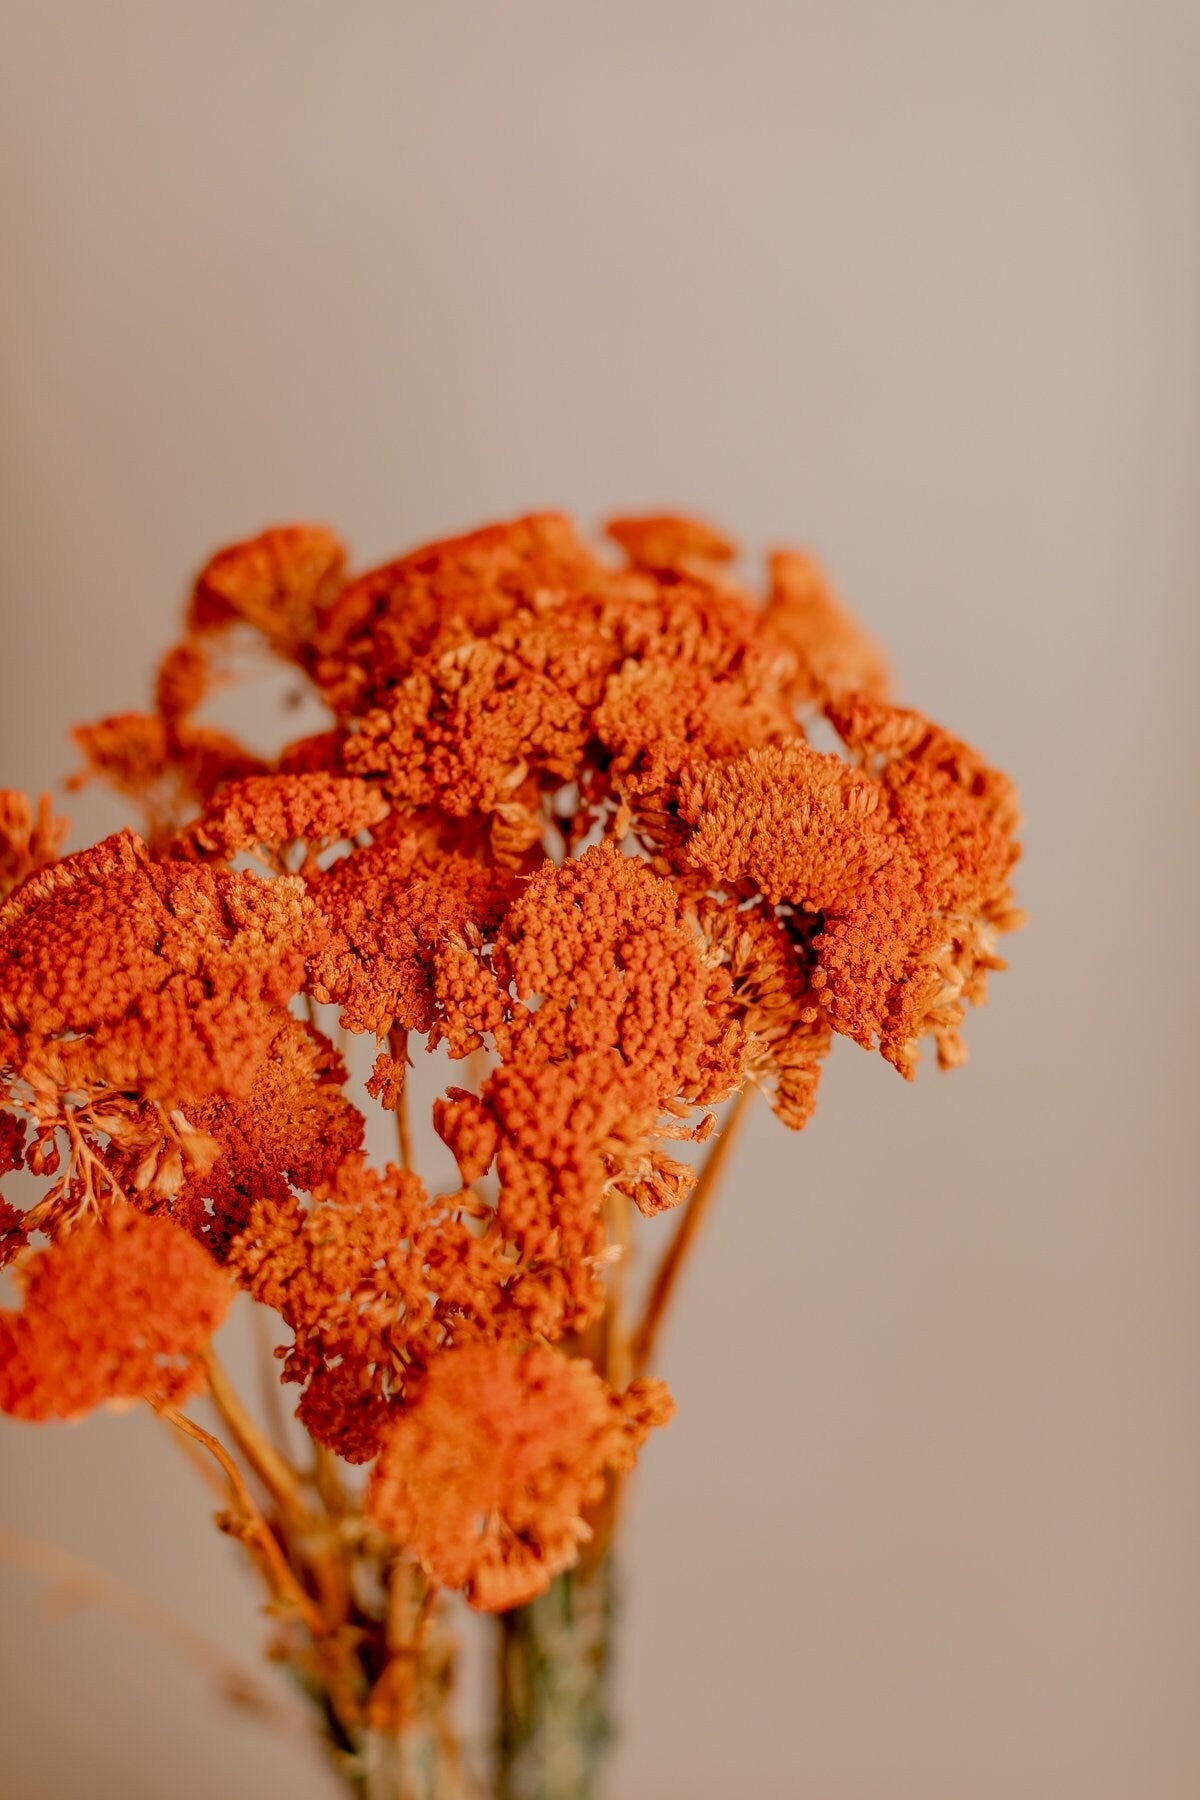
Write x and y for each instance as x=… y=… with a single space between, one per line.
x=567 y=823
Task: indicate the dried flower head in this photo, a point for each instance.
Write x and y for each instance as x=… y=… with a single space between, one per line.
x=28 y=839
x=119 y=1309
x=488 y=1474
x=567 y=824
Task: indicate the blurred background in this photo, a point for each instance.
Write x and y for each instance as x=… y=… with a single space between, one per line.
x=916 y=287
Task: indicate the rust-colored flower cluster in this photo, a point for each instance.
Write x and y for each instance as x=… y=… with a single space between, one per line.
x=120 y=1309
x=567 y=823
x=488 y=1474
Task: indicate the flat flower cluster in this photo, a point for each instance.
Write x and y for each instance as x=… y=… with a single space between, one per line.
x=567 y=822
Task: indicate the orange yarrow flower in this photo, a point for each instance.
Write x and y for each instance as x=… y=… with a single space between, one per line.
x=29 y=838
x=489 y=1473
x=376 y=1280
x=567 y=821
x=118 y=1310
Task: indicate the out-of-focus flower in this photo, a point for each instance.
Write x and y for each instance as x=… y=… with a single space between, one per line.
x=119 y=1309
x=488 y=1474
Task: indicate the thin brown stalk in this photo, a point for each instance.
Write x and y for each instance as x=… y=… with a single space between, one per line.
x=618 y=1349
x=308 y=1536
x=268 y=1378
x=281 y=1577
x=247 y=1523
x=410 y=1604
x=200 y=1463
x=695 y=1211
x=274 y=1471
x=79 y=1583
x=604 y=1517
x=327 y=1480
x=398 y=1047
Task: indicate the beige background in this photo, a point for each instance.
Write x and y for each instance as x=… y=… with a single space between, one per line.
x=918 y=286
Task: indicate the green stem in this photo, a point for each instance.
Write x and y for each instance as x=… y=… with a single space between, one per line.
x=555 y=1719
x=404 y=1745
x=407 y=1768
x=412 y=1765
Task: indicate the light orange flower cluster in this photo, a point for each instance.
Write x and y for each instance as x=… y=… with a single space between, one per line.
x=118 y=1309
x=489 y=1473
x=568 y=823
x=29 y=838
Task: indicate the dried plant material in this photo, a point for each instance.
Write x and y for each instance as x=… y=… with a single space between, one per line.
x=566 y=824
x=834 y=655
x=275 y=812
x=29 y=838
x=117 y=1310
x=489 y=1473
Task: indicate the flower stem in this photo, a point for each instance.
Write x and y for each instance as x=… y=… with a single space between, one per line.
x=80 y=1584
x=398 y=1047
x=555 y=1719
x=276 y=1474
x=695 y=1211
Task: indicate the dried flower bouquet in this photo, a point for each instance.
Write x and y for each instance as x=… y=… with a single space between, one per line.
x=567 y=825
